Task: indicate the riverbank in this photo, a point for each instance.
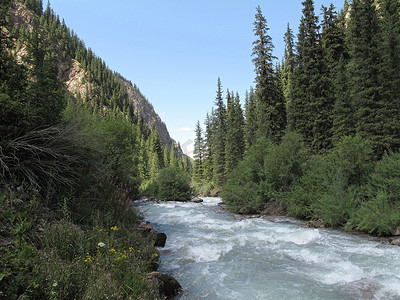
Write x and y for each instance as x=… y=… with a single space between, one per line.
x=274 y=209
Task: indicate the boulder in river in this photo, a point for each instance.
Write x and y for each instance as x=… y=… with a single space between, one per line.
x=396 y=231
x=395 y=242
x=160 y=240
x=168 y=286
x=197 y=200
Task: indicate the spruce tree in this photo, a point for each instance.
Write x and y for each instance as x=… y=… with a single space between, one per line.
x=156 y=149
x=235 y=144
x=364 y=69
x=198 y=153
x=173 y=159
x=271 y=110
x=310 y=109
x=335 y=55
x=288 y=65
x=208 y=148
x=251 y=124
x=219 y=137
x=390 y=75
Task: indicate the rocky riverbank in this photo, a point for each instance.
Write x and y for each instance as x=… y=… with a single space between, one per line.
x=168 y=286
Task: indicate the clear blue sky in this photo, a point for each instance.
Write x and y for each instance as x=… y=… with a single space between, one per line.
x=174 y=51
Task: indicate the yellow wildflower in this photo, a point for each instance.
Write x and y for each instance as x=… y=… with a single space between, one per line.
x=115 y=228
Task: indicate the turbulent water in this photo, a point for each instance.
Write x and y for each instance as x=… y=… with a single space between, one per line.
x=215 y=256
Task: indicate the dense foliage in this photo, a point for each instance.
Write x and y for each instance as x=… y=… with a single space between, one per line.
x=70 y=167
x=321 y=129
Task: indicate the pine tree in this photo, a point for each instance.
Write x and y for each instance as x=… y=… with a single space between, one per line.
x=218 y=138
x=310 y=109
x=173 y=160
x=156 y=149
x=390 y=75
x=235 y=144
x=271 y=109
x=364 y=69
x=335 y=55
x=251 y=125
x=288 y=65
x=208 y=149
x=198 y=153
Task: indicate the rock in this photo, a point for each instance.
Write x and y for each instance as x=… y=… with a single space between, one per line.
x=315 y=224
x=395 y=242
x=147 y=227
x=395 y=231
x=161 y=239
x=197 y=200
x=168 y=286
x=222 y=203
x=214 y=193
x=383 y=240
x=182 y=199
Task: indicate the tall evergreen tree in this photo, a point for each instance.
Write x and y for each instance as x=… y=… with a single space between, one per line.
x=251 y=125
x=288 y=65
x=364 y=69
x=156 y=148
x=310 y=108
x=390 y=75
x=235 y=144
x=335 y=56
x=208 y=148
x=198 y=153
x=271 y=109
x=219 y=137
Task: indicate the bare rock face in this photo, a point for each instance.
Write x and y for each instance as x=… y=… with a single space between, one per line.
x=146 y=111
x=168 y=287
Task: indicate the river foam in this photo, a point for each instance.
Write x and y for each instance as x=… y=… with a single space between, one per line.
x=215 y=256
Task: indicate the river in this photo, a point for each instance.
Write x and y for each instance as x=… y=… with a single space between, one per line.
x=214 y=255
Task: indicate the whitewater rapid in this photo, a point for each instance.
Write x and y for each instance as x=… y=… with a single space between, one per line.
x=214 y=255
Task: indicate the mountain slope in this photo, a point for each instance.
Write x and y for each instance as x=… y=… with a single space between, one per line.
x=87 y=77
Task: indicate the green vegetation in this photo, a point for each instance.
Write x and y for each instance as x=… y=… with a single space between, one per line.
x=171 y=184
x=337 y=90
x=70 y=167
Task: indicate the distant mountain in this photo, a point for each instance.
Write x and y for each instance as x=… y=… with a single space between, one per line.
x=86 y=76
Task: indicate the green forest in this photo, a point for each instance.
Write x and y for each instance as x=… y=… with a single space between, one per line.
x=318 y=137
x=70 y=167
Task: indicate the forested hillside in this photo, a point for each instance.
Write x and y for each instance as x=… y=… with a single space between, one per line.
x=78 y=144
x=320 y=132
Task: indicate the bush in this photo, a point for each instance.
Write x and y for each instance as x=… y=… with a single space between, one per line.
x=243 y=190
x=266 y=174
x=333 y=185
x=377 y=216
x=173 y=184
x=380 y=211
x=307 y=190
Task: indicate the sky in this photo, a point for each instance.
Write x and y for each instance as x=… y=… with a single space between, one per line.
x=175 y=50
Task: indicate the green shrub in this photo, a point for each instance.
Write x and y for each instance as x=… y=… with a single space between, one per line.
x=266 y=174
x=173 y=184
x=307 y=190
x=380 y=211
x=377 y=216
x=243 y=191
x=386 y=176
x=333 y=185
x=284 y=163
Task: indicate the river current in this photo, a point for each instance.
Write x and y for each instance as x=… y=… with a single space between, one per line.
x=214 y=255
